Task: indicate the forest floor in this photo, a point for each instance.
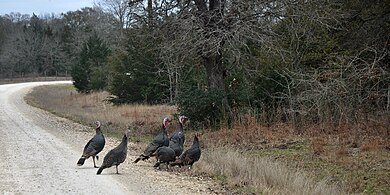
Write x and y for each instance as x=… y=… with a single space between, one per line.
x=328 y=160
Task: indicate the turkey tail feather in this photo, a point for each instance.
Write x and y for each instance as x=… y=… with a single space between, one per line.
x=145 y=158
x=141 y=157
x=136 y=160
x=100 y=170
x=157 y=164
x=81 y=161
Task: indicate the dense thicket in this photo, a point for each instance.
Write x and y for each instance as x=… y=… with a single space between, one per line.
x=293 y=61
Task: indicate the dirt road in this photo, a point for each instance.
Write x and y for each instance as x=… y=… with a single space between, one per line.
x=39 y=151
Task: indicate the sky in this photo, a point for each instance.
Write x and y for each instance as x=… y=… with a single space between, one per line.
x=42 y=7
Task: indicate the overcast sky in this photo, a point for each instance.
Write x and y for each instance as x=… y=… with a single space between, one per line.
x=41 y=7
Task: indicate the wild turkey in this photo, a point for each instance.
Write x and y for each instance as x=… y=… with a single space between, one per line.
x=164 y=155
x=190 y=156
x=178 y=135
x=177 y=145
x=176 y=141
x=160 y=140
x=115 y=156
x=93 y=147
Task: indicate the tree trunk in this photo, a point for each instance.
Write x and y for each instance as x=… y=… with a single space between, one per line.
x=215 y=72
x=170 y=85
x=176 y=82
x=215 y=79
x=211 y=13
x=388 y=99
x=212 y=62
x=150 y=13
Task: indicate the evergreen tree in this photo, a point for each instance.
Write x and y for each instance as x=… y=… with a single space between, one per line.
x=89 y=74
x=137 y=75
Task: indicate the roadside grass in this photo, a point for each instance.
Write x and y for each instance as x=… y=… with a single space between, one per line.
x=354 y=158
x=63 y=100
x=247 y=174
x=249 y=158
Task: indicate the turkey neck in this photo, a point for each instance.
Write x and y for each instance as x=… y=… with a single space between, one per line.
x=164 y=129
x=124 y=140
x=195 y=143
x=99 y=131
x=180 y=126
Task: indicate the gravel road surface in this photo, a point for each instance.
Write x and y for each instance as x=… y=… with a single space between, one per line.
x=39 y=151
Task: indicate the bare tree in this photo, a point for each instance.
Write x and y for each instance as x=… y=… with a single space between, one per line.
x=118 y=8
x=120 y=11
x=218 y=34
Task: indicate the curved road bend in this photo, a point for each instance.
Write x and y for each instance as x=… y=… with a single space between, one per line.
x=34 y=161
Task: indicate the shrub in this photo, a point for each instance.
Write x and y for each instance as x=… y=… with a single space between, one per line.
x=203 y=107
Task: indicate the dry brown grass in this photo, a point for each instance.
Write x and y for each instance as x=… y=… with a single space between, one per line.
x=87 y=108
x=318 y=145
x=356 y=156
x=268 y=176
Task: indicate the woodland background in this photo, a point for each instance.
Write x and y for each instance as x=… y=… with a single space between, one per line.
x=290 y=61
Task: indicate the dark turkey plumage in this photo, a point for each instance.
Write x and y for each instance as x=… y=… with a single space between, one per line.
x=176 y=145
x=160 y=140
x=190 y=156
x=165 y=155
x=178 y=134
x=115 y=156
x=93 y=147
x=176 y=141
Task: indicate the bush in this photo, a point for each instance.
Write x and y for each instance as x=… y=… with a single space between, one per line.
x=203 y=107
x=137 y=75
x=80 y=76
